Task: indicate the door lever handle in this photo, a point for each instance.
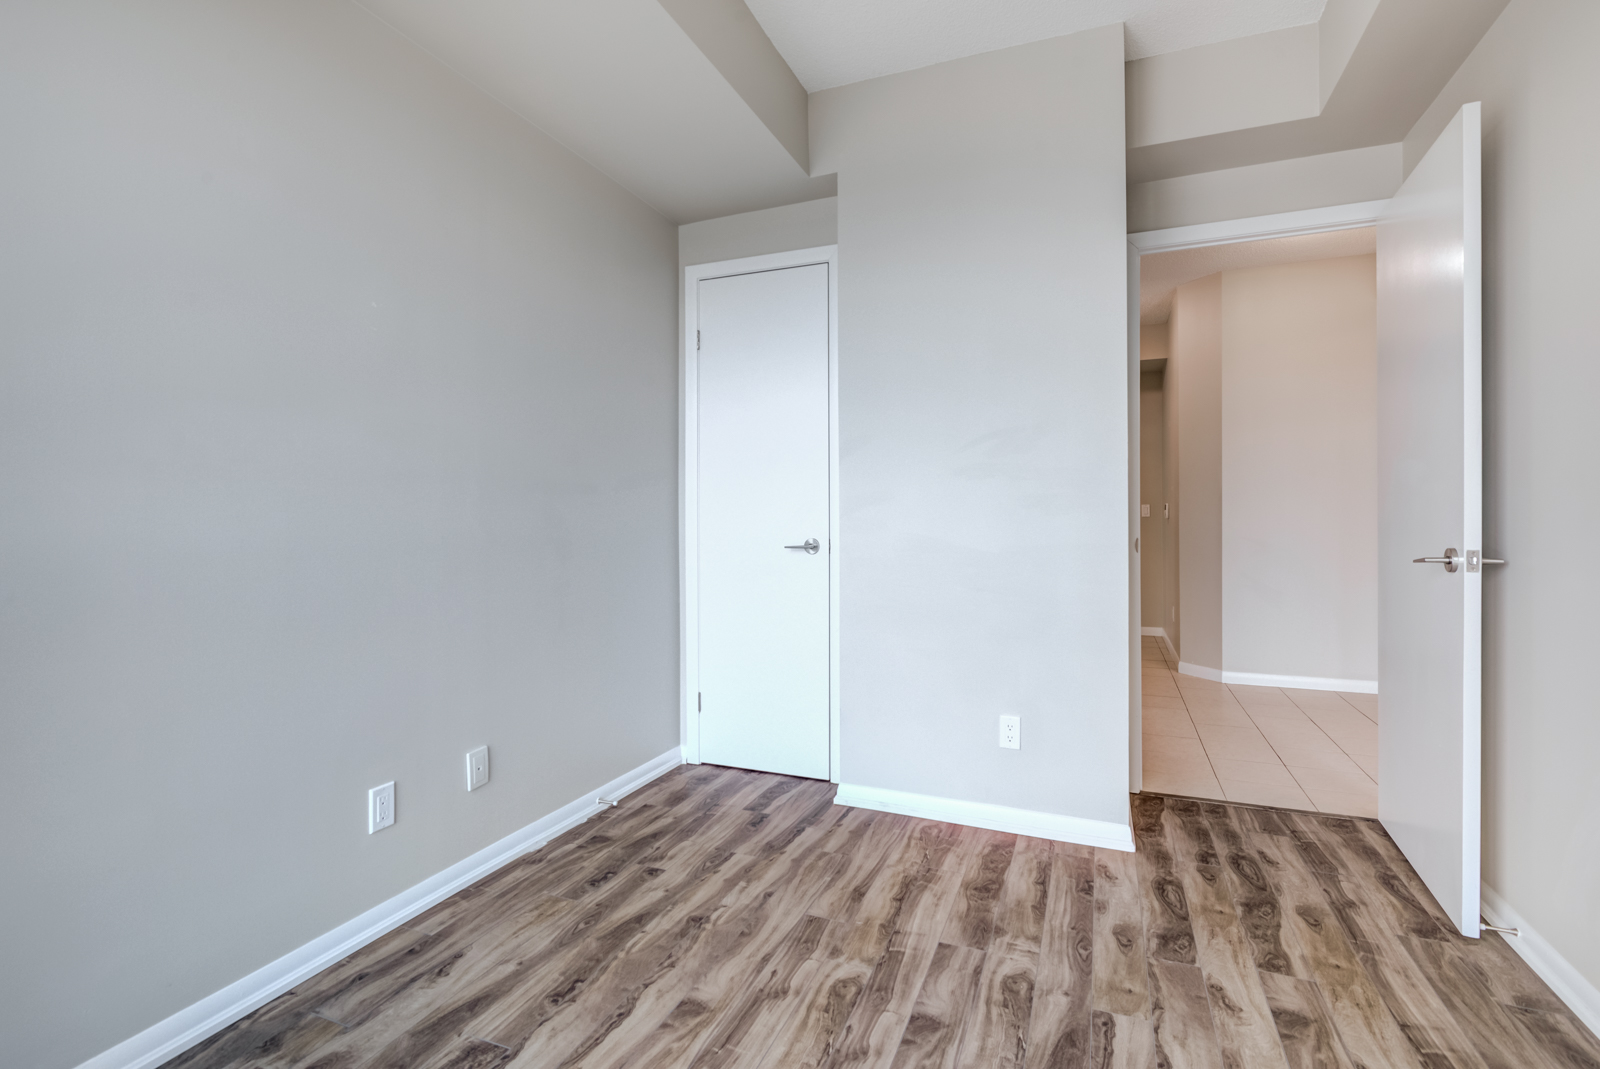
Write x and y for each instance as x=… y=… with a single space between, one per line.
x=1474 y=560
x=810 y=545
x=1451 y=560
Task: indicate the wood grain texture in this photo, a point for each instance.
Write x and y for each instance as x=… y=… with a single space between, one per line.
x=735 y=920
x=932 y=1035
x=1168 y=933
x=1309 y=1038
x=1120 y=987
x=1060 y=1032
x=1239 y=1010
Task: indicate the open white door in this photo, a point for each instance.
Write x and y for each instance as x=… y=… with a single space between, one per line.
x=1430 y=505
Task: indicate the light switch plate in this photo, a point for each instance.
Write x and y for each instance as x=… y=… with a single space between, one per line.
x=477 y=768
x=380 y=807
x=1144 y=510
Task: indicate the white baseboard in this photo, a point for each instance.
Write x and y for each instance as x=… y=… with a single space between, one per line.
x=1263 y=679
x=1080 y=830
x=166 y=1039
x=1166 y=639
x=1570 y=986
x=1213 y=674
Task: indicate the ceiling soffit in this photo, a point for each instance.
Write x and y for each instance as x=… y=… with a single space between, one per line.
x=1402 y=60
x=830 y=43
x=621 y=84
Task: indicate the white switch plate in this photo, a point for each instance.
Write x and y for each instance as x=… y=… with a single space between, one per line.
x=380 y=807
x=1011 y=732
x=477 y=768
x=1144 y=510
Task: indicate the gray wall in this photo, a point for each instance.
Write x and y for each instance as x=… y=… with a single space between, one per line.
x=1536 y=74
x=984 y=401
x=337 y=436
x=806 y=225
x=1194 y=392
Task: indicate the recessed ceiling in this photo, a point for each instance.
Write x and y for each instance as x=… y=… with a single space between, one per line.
x=1162 y=272
x=837 y=42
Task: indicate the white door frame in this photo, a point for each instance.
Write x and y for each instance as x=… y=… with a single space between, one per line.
x=1260 y=227
x=689 y=490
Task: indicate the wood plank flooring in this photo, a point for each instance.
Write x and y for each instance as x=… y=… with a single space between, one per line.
x=721 y=918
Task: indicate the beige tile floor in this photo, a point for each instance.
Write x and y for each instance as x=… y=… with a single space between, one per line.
x=1303 y=749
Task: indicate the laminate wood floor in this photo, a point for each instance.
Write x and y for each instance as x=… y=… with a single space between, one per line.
x=722 y=918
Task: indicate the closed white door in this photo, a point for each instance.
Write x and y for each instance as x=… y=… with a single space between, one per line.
x=1430 y=457
x=764 y=554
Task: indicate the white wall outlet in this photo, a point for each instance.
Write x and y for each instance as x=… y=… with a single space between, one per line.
x=477 y=768
x=380 y=807
x=1144 y=510
x=1011 y=732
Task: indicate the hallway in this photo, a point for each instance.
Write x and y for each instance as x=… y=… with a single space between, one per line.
x=1299 y=749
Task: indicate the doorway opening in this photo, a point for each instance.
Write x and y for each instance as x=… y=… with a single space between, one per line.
x=1426 y=383
x=1258 y=521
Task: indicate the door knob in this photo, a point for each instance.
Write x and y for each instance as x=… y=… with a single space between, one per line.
x=810 y=545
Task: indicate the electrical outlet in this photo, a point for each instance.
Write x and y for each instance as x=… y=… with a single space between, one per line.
x=477 y=768
x=1011 y=732
x=380 y=807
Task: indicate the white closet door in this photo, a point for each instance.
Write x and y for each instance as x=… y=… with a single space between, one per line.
x=1430 y=470
x=763 y=493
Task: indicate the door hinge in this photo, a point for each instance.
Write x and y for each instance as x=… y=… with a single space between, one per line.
x=697 y=341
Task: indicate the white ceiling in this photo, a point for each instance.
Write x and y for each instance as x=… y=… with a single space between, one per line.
x=1162 y=272
x=836 y=42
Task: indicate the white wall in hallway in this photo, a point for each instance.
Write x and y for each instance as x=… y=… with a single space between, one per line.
x=1194 y=394
x=1299 y=470
x=1270 y=375
x=1153 y=570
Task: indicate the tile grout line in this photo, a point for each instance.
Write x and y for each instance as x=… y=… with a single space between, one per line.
x=1281 y=762
x=1330 y=738
x=1172 y=674
x=1354 y=706
x=1203 y=747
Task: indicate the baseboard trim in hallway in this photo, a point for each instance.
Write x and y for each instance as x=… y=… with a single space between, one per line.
x=1570 y=985
x=1079 y=830
x=166 y=1039
x=1262 y=679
